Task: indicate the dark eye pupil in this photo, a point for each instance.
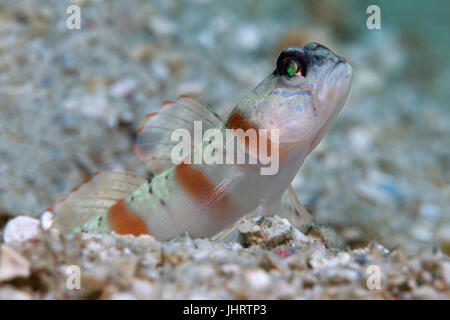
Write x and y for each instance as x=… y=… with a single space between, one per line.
x=292 y=63
x=292 y=68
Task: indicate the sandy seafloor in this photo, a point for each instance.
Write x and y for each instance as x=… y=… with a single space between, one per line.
x=378 y=184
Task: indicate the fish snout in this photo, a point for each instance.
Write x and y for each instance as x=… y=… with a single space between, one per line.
x=320 y=54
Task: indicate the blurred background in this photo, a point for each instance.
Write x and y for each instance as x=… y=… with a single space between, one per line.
x=71 y=100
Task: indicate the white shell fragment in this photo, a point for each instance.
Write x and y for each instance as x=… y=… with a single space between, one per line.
x=21 y=228
x=269 y=232
x=257 y=279
x=46 y=220
x=12 y=264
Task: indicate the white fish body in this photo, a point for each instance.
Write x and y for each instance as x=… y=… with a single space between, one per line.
x=298 y=101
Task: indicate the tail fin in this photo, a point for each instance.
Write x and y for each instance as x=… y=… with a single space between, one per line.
x=85 y=207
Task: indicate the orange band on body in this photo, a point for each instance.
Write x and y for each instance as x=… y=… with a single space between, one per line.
x=201 y=189
x=238 y=120
x=124 y=221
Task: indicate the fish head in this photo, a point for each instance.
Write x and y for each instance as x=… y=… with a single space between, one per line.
x=301 y=97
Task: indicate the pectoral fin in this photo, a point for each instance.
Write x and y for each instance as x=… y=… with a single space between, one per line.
x=287 y=205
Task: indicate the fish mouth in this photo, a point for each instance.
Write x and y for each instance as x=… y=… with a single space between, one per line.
x=341 y=61
x=332 y=91
x=340 y=77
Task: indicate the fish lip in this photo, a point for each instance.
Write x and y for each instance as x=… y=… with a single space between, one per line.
x=346 y=76
x=340 y=61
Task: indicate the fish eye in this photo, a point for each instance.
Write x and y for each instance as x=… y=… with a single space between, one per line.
x=291 y=68
x=291 y=64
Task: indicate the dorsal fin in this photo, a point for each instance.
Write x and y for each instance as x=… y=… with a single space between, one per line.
x=153 y=145
x=93 y=199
